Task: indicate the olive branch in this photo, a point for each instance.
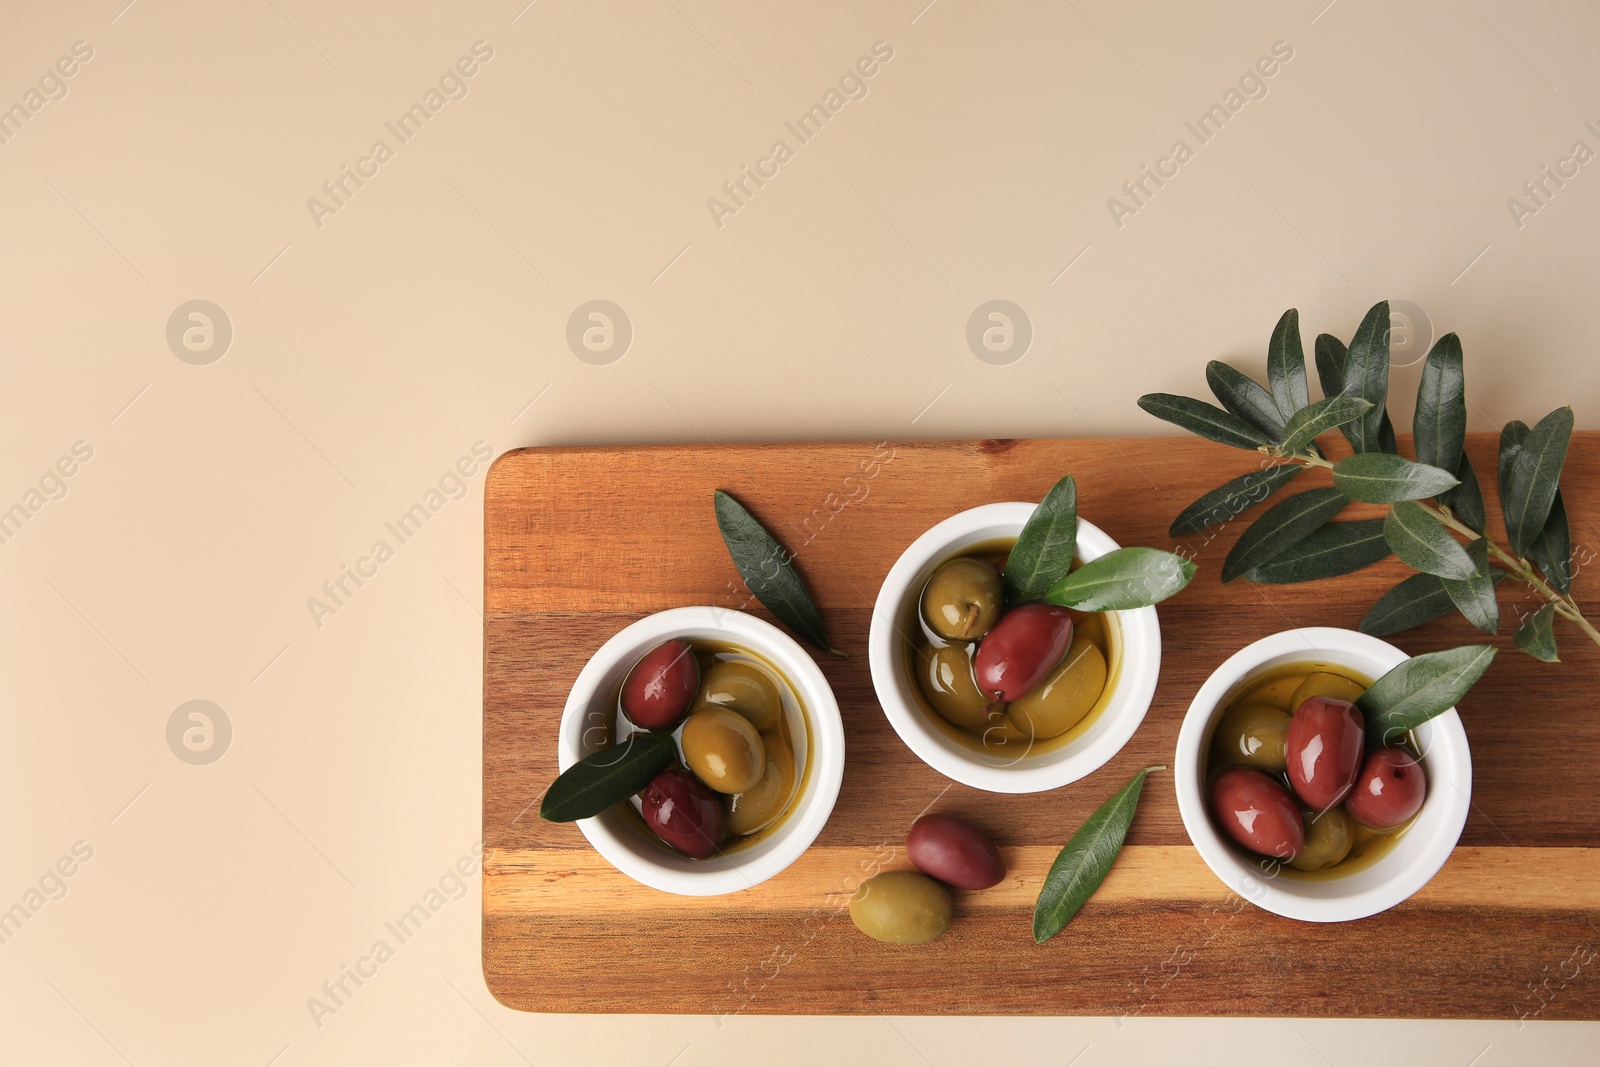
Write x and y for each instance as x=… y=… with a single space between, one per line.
x=1435 y=523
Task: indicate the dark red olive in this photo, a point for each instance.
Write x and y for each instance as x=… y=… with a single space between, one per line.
x=1326 y=739
x=955 y=852
x=1024 y=646
x=661 y=686
x=1257 y=812
x=1389 y=790
x=683 y=813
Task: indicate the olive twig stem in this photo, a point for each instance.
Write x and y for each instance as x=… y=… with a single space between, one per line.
x=1519 y=568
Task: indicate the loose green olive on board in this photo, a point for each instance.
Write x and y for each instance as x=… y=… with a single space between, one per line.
x=901 y=908
x=755 y=808
x=1254 y=735
x=945 y=678
x=745 y=688
x=723 y=749
x=1060 y=702
x=962 y=600
x=1326 y=685
x=1328 y=840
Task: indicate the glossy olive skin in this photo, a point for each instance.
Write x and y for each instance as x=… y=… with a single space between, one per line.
x=1255 y=735
x=1389 y=789
x=1328 y=840
x=962 y=601
x=1024 y=646
x=745 y=688
x=758 y=806
x=955 y=852
x=945 y=677
x=1326 y=685
x=901 y=908
x=723 y=749
x=683 y=813
x=1256 y=812
x=1326 y=740
x=657 y=692
x=1066 y=695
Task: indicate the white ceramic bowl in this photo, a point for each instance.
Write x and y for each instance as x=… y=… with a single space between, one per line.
x=1133 y=687
x=1400 y=872
x=626 y=845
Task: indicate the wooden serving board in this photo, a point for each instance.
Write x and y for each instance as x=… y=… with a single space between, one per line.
x=579 y=542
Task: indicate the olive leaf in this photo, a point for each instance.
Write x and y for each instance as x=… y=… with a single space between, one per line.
x=1223 y=503
x=1083 y=864
x=1439 y=431
x=1313 y=421
x=1466 y=500
x=1379 y=478
x=1331 y=355
x=1511 y=438
x=1205 y=420
x=1366 y=374
x=1422 y=542
x=1474 y=596
x=1536 y=636
x=1282 y=526
x=764 y=565
x=1529 y=490
x=1420 y=598
x=1551 y=551
x=1335 y=549
x=1121 y=580
x=1043 y=553
x=608 y=777
x=1286 y=366
x=1420 y=688
x=1243 y=396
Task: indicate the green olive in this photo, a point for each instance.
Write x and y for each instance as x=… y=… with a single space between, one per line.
x=1328 y=840
x=744 y=687
x=1060 y=702
x=1090 y=624
x=757 y=807
x=1255 y=735
x=1326 y=685
x=1275 y=693
x=901 y=907
x=945 y=677
x=723 y=750
x=963 y=599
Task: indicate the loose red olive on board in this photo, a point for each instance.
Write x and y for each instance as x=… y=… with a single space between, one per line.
x=1389 y=790
x=955 y=852
x=683 y=813
x=1024 y=646
x=661 y=686
x=1257 y=812
x=1326 y=740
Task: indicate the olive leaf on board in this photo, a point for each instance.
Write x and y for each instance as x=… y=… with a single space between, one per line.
x=608 y=777
x=1436 y=522
x=765 y=566
x=1086 y=860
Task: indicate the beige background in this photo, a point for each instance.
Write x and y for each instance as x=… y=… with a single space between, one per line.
x=430 y=312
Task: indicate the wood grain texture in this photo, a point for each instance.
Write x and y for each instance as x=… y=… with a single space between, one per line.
x=580 y=542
